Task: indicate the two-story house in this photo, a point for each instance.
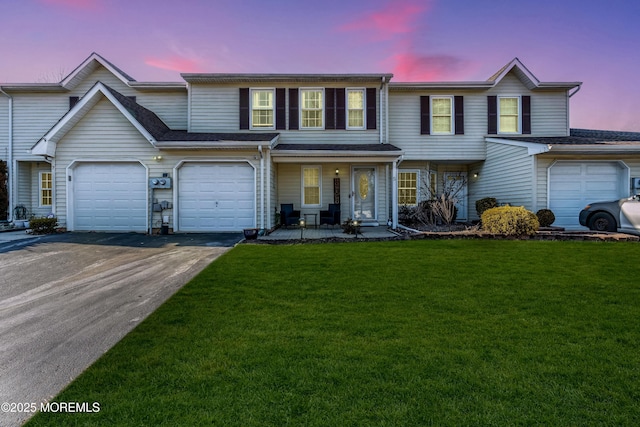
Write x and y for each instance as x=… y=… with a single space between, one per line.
x=222 y=152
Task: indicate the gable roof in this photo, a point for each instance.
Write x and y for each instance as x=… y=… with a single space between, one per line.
x=150 y=126
x=527 y=78
x=88 y=66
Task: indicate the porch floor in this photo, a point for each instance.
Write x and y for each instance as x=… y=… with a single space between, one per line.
x=293 y=233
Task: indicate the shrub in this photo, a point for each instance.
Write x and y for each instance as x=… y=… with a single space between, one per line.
x=510 y=220
x=545 y=217
x=43 y=225
x=484 y=204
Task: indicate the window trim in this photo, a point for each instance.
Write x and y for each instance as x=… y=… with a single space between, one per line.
x=41 y=188
x=272 y=109
x=417 y=172
x=302 y=186
x=451 y=114
x=301 y=108
x=519 y=115
x=364 y=108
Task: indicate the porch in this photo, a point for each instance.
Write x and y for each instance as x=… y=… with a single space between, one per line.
x=334 y=233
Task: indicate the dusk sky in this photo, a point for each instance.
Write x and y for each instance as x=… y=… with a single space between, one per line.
x=593 y=41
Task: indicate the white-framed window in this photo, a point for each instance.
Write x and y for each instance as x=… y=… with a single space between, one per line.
x=509 y=114
x=311 y=186
x=355 y=109
x=262 y=109
x=442 y=115
x=408 y=187
x=311 y=108
x=46 y=188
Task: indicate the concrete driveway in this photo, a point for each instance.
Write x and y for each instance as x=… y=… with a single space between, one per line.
x=66 y=299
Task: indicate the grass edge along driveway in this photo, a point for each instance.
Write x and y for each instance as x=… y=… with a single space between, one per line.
x=383 y=333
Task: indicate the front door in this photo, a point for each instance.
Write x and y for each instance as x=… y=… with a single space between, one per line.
x=456 y=186
x=364 y=195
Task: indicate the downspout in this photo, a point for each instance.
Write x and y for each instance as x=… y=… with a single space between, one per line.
x=261 y=187
x=386 y=113
x=394 y=192
x=382 y=106
x=10 y=167
x=569 y=95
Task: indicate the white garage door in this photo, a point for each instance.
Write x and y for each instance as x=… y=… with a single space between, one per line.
x=572 y=185
x=216 y=197
x=110 y=197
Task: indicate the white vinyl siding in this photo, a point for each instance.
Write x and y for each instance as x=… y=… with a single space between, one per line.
x=506 y=175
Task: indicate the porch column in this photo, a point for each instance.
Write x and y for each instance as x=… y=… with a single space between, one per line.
x=394 y=195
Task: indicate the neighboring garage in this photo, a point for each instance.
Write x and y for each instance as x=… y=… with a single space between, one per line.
x=108 y=197
x=215 y=196
x=574 y=184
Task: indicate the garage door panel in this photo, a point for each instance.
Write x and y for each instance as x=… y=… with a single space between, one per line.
x=109 y=197
x=574 y=184
x=216 y=197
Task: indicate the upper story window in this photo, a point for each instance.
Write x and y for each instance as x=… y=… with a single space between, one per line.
x=509 y=112
x=355 y=108
x=311 y=108
x=442 y=115
x=262 y=109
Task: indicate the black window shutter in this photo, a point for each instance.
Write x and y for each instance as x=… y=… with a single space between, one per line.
x=371 y=108
x=73 y=100
x=293 y=109
x=341 y=113
x=526 y=114
x=244 y=108
x=492 y=108
x=330 y=108
x=458 y=106
x=425 y=115
x=281 y=110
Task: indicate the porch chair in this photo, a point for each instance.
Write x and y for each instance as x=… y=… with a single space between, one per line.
x=330 y=216
x=288 y=216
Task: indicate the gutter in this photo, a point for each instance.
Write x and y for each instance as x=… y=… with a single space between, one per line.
x=10 y=167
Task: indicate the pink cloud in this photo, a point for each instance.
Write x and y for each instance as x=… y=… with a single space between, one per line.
x=413 y=67
x=175 y=63
x=398 y=17
x=75 y=4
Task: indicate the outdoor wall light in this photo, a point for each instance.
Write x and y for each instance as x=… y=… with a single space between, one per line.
x=157 y=158
x=476 y=174
x=337 y=172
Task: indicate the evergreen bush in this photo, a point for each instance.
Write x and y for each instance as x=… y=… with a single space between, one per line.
x=484 y=204
x=43 y=225
x=510 y=221
x=545 y=217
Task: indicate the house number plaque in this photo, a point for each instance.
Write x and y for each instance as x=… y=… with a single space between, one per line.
x=336 y=190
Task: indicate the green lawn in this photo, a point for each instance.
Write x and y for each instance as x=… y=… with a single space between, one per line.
x=473 y=332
